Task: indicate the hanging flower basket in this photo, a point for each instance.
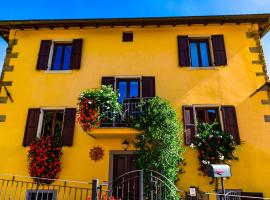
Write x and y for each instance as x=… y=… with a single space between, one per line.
x=96 y=105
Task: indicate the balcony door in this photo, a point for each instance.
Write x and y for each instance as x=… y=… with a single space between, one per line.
x=128 y=89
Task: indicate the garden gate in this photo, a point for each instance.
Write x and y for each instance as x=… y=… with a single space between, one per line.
x=139 y=185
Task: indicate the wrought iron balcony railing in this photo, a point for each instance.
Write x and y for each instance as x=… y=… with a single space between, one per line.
x=131 y=107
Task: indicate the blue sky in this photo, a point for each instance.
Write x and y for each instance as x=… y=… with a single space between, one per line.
x=48 y=9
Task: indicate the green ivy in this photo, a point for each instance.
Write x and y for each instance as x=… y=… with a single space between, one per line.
x=159 y=144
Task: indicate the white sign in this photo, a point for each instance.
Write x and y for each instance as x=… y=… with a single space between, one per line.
x=192 y=192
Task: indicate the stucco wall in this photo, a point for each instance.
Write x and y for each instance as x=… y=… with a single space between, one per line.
x=153 y=52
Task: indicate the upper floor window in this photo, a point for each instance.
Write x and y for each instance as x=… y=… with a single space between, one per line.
x=199 y=52
x=61 y=56
x=132 y=87
x=128 y=88
x=57 y=56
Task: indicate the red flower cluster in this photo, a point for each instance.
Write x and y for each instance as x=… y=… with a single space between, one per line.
x=44 y=159
x=88 y=115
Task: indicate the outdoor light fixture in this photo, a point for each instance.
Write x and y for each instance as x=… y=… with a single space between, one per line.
x=125 y=144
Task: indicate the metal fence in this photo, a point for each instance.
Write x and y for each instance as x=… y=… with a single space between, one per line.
x=131 y=107
x=22 y=187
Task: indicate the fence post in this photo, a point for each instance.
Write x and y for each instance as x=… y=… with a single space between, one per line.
x=141 y=185
x=94 y=189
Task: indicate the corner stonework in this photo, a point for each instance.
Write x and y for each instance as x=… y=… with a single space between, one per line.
x=261 y=61
x=7 y=68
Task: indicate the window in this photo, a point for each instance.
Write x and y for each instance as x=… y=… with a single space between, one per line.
x=41 y=195
x=225 y=115
x=128 y=88
x=207 y=115
x=43 y=122
x=199 y=52
x=52 y=122
x=127 y=37
x=144 y=87
x=61 y=56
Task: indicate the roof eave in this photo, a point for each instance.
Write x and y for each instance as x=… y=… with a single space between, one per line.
x=263 y=20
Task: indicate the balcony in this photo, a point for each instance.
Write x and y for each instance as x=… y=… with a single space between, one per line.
x=131 y=107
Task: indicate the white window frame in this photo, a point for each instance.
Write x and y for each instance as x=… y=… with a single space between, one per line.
x=41 y=118
x=50 y=60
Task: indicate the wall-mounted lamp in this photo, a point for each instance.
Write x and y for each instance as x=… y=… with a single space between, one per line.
x=125 y=144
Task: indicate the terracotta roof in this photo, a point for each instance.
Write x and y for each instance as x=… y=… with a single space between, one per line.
x=262 y=19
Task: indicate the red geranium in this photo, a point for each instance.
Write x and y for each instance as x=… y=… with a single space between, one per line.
x=88 y=116
x=44 y=159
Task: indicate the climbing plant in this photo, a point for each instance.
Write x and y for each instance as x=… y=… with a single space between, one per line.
x=159 y=144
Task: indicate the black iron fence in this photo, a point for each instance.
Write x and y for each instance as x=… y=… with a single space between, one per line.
x=131 y=107
x=20 y=188
x=129 y=186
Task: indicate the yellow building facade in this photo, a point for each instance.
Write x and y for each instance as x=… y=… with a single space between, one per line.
x=153 y=52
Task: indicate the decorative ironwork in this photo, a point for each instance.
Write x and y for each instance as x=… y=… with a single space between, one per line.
x=131 y=107
x=130 y=186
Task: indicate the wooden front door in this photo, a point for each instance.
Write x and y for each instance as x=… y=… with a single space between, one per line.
x=127 y=186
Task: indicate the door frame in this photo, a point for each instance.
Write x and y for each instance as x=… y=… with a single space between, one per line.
x=111 y=158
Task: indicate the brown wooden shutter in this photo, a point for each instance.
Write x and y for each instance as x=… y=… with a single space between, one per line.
x=230 y=122
x=108 y=80
x=183 y=50
x=69 y=125
x=31 y=126
x=76 y=54
x=148 y=86
x=44 y=53
x=220 y=58
x=189 y=124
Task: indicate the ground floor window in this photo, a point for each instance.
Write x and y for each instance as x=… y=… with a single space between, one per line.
x=52 y=122
x=224 y=115
x=207 y=115
x=41 y=195
x=42 y=122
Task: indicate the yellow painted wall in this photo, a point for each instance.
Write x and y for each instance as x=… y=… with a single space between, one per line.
x=153 y=53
